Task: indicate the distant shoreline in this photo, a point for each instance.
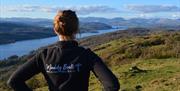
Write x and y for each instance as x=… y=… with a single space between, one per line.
x=37 y=37
x=9 y=42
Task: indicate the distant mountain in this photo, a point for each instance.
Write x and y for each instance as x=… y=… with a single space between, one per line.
x=102 y=20
x=18 y=27
x=85 y=23
x=93 y=19
x=30 y=21
x=137 y=22
x=118 y=21
x=12 y=30
x=93 y=26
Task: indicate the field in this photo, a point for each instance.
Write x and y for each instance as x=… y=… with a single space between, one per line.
x=146 y=63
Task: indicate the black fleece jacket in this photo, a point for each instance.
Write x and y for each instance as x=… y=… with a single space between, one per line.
x=66 y=67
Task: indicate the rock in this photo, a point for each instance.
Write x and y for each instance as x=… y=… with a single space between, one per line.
x=135 y=69
x=138 y=87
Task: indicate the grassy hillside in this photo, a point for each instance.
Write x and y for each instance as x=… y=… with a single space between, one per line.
x=142 y=61
x=147 y=63
x=154 y=75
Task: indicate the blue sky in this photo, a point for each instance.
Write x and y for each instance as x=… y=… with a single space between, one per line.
x=92 y=8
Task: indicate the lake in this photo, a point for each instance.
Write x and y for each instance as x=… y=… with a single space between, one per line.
x=20 y=48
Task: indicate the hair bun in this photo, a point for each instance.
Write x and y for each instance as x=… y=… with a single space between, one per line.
x=66 y=22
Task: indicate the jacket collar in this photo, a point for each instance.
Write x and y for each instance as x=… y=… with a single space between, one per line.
x=65 y=44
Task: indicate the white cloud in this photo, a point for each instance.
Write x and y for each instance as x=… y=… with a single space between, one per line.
x=24 y=8
x=176 y=16
x=153 y=8
x=145 y=15
x=95 y=9
x=84 y=10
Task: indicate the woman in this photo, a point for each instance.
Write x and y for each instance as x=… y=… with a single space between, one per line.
x=65 y=65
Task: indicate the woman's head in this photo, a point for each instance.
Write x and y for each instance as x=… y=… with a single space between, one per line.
x=66 y=23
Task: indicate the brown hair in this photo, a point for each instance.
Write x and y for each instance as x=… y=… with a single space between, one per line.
x=66 y=23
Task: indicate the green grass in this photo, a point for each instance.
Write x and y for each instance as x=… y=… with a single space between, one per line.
x=156 y=70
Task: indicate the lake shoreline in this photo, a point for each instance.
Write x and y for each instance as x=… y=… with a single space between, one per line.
x=24 y=47
x=43 y=37
x=10 y=42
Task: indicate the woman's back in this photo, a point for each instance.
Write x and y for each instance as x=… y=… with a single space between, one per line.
x=65 y=65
